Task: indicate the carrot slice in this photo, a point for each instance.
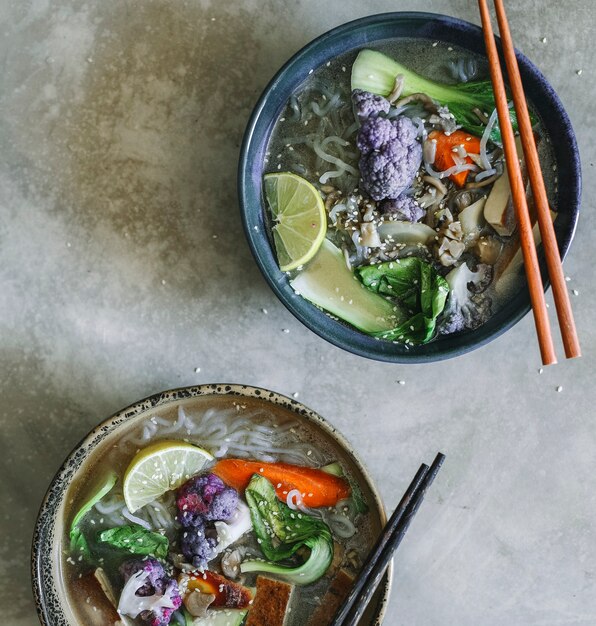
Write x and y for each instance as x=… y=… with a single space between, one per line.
x=444 y=154
x=316 y=486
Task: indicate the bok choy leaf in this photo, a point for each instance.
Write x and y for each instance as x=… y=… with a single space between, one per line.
x=418 y=287
x=281 y=532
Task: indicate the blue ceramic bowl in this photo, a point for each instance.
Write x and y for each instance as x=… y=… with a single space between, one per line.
x=353 y=36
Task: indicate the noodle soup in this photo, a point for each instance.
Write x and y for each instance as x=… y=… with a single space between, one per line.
x=387 y=196
x=171 y=518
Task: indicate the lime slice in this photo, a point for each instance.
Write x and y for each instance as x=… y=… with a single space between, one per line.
x=298 y=209
x=158 y=468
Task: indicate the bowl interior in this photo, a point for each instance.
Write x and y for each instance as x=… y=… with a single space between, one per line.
x=50 y=569
x=351 y=37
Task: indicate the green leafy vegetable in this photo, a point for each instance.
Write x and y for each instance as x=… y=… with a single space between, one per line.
x=418 y=288
x=136 y=540
x=373 y=71
x=281 y=532
x=78 y=542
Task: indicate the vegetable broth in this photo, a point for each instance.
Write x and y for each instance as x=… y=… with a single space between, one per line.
x=302 y=441
x=311 y=117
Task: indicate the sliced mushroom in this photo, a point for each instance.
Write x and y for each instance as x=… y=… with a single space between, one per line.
x=369 y=236
x=230 y=562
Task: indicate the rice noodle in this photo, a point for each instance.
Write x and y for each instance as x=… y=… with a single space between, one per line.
x=329 y=158
x=338 y=208
x=133 y=518
x=107 y=505
x=248 y=435
x=456 y=169
x=322 y=111
x=295 y=106
x=484 y=140
x=486 y=174
x=329 y=174
x=295 y=502
x=421 y=129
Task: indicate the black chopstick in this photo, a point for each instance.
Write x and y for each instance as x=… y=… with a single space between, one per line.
x=378 y=560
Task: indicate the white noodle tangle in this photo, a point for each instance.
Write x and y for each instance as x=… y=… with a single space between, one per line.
x=329 y=158
x=255 y=434
x=456 y=169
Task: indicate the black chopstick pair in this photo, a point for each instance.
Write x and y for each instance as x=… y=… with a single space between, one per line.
x=378 y=560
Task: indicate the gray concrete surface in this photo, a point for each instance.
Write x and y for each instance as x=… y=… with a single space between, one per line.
x=123 y=268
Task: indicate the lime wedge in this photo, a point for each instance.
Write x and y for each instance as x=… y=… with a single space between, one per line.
x=160 y=467
x=298 y=209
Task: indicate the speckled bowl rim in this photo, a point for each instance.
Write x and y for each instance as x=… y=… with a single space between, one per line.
x=47 y=601
x=347 y=37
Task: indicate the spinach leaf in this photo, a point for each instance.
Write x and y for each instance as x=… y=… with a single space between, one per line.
x=418 y=287
x=136 y=540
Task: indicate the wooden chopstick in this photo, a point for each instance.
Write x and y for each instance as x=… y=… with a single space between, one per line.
x=518 y=193
x=547 y=231
x=377 y=562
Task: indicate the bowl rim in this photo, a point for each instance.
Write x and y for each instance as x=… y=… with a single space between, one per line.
x=60 y=483
x=312 y=317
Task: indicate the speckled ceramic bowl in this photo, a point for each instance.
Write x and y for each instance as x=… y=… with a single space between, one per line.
x=48 y=585
x=353 y=36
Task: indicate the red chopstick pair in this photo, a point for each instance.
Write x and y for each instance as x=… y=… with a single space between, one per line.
x=547 y=232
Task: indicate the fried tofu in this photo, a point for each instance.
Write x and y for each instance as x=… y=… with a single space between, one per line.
x=270 y=605
x=336 y=594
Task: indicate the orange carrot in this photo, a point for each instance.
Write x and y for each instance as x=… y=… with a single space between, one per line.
x=444 y=154
x=318 y=488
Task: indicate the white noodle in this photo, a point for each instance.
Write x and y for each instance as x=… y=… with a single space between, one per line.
x=132 y=518
x=484 y=140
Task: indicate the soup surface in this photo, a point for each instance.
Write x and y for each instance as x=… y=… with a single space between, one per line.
x=312 y=479
x=411 y=192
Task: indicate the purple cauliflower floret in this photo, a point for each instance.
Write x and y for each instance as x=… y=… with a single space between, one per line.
x=368 y=104
x=205 y=498
x=148 y=593
x=197 y=547
x=403 y=208
x=390 y=155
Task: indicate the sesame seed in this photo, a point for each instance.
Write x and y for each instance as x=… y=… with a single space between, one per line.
x=401 y=382
x=197 y=370
x=579 y=72
x=541 y=370
x=264 y=311
x=575 y=292
x=285 y=330
x=543 y=40
x=567 y=278
x=295 y=394
x=559 y=389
